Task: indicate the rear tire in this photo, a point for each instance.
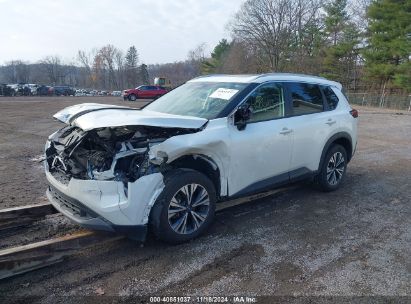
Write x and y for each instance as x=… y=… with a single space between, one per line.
x=185 y=208
x=332 y=171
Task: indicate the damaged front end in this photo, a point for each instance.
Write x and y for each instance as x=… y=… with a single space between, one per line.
x=104 y=178
x=107 y=154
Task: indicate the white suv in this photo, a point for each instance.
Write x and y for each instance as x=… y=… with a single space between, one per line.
x=165 y=167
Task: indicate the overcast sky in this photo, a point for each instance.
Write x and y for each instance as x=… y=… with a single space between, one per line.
x=162 y=30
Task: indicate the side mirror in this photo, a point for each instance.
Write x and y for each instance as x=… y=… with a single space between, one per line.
x=241 y=116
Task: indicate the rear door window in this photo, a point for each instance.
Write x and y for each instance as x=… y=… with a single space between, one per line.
x=306 y=98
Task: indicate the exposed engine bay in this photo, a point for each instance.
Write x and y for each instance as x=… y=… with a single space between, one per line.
x=115 y=153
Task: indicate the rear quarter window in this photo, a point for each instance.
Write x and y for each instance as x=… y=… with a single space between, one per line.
x=331 y=98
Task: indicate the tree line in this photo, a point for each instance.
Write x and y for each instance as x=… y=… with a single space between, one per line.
x=364 y=44
x=106 y=68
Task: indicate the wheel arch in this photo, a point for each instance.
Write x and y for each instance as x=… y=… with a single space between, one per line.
x=132 y=94
x=342 y=138
x=202 y=164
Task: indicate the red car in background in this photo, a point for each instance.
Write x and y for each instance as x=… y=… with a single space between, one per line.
x=145 y=91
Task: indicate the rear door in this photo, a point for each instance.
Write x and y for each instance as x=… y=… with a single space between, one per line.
x=311 y=124
x=161 y=91
x=151 y=92
x=155 y=91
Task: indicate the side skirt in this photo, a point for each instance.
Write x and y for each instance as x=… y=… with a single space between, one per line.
x=275 y=182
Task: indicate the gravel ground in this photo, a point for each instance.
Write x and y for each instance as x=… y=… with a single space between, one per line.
x=352 y=242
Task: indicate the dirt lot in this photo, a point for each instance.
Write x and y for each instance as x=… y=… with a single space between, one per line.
x=353 y=242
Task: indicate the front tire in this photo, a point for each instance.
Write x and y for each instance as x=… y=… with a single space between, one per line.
x=333 y=169
x=132 y=97
x=185 y=208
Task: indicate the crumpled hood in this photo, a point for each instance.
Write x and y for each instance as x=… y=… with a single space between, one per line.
x=90 y=116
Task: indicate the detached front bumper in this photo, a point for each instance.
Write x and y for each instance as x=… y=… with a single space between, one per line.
x=107 y=205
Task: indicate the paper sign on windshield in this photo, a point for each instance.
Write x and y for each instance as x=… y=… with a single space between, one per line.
x=222 y=93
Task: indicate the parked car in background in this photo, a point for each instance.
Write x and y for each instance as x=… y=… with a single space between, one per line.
x=32 y=88
x=20 y=89
x=64 y=91
x=116 y=93
x=43 y=90
x=16 y=89
x=26 y=90
x=5 y=90
x=79 y=93
x=145 y=91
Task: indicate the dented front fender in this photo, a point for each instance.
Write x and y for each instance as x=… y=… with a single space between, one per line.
x=211 y=142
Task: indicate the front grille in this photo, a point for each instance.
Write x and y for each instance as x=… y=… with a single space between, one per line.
x=71 y=205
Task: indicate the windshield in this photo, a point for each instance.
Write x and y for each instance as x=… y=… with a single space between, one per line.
x=199 y=99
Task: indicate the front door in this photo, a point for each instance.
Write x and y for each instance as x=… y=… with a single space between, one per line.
x=144 y=92
x=260 y=154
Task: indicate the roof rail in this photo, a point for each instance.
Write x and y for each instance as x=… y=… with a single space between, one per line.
x=289 y=74
x=209 y=75
x=228 y=75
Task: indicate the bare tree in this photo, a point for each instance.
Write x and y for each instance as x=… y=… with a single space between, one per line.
x=198 y=53
x=357 y=11
x=177 y=72
x=17 y=71
x=85 y=60
x=273 y=26
x=240 y=59
x=119 y=60
x=97 y=75
x=53 y=69
x=197 y=56
x=108 y=54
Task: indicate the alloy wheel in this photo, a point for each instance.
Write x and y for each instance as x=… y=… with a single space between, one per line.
x=188 y=209
x=335 y=168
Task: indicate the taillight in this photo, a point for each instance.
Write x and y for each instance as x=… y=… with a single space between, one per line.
x=354 y=113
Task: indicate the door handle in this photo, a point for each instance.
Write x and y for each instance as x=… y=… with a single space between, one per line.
x=286 y=131
x=330 y=122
